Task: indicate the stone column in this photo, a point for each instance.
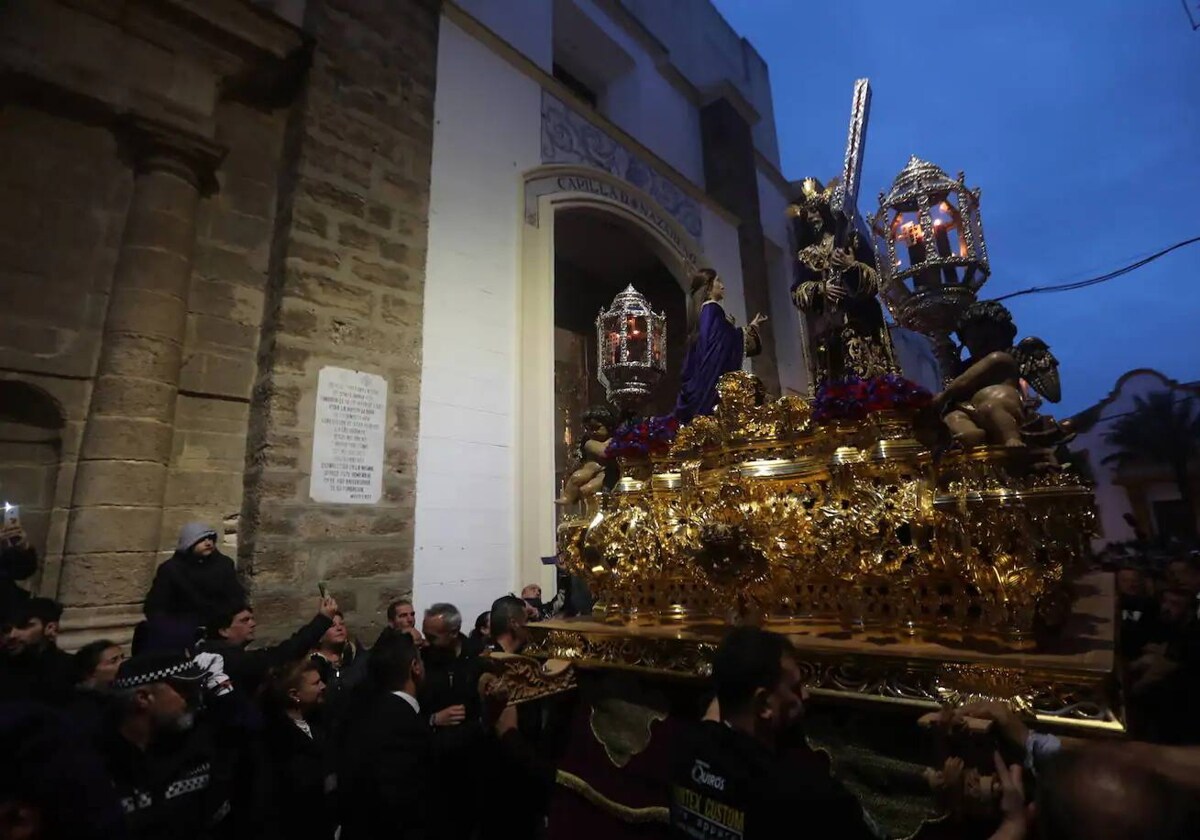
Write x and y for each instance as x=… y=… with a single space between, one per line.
x=113 y=533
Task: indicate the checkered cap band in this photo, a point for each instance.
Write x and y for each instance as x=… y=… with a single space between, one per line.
x=156 y=672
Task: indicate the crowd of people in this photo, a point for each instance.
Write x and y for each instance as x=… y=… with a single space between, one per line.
x=200 y=732
x=1158 y=648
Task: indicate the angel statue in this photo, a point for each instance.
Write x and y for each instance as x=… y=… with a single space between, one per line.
x=988 y=402
x=590 y=468
x=836 y=288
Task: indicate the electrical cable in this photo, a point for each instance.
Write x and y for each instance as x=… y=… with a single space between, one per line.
x=1103 y=278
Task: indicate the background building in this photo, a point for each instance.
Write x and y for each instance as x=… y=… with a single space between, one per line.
x=1134 y=485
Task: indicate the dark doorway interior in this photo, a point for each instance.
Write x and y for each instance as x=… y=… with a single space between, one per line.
x=596 y=255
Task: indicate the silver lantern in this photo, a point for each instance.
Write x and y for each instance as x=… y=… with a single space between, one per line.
x=930 y=252
x=632 y=346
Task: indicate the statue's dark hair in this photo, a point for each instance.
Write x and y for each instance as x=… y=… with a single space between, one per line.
x=601 y=415
x=985 y=313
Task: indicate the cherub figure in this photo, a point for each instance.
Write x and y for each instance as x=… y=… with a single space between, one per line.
x=987 y=403
x=590 y=464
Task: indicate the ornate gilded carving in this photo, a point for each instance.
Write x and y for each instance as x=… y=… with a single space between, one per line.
x=529 y=679
x=1051 y=695
x=760 y=511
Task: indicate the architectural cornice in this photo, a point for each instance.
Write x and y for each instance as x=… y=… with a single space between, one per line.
x=189 y=55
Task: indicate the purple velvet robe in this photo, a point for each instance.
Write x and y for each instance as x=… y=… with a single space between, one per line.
x=719 y=349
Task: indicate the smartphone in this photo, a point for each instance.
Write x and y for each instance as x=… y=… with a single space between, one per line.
x=12 y=514
x=323 y=589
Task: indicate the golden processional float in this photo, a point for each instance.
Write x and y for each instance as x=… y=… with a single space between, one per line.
x=920 y=550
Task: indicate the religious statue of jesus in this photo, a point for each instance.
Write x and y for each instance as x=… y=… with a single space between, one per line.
x=836 y=288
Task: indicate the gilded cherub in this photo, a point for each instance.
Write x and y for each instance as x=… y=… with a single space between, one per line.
x=987 y=403
x=589 y=464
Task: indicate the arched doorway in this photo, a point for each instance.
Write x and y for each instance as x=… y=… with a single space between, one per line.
x=596 y=255
x=586 y=236
x=31 y=426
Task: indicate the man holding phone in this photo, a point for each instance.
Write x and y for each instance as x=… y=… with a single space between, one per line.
x=18 y=561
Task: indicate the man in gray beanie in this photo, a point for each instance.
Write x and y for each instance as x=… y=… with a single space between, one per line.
x=197 y=581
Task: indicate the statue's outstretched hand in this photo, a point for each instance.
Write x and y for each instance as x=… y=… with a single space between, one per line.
x=758 y=319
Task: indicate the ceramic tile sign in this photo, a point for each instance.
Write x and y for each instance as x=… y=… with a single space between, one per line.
x=347 y=454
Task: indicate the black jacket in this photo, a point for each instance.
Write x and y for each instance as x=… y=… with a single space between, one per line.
x=205 y=783
x=45 y=676
x=246 y=668
x=15 y=564
x=726 y=784
x=194 y=588
x=341 y=682
x=451 y=680
x=384 y=770
x=303 y=784
x=523 y=770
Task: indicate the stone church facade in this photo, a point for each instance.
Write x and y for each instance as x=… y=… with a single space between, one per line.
x=206 y=202
x=203 y=202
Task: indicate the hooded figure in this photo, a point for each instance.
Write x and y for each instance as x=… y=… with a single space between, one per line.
x=197 y=581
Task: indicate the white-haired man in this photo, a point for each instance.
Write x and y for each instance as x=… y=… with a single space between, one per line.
x=451 y=693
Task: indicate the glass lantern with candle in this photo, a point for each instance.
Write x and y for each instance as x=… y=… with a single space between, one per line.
x=631 y=338
x=931 y=255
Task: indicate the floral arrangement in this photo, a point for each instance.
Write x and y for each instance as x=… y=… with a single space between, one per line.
x=853 y=398
x=643 y=437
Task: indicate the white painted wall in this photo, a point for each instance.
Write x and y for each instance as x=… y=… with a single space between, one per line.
x=487 y=132
x=914 y=354
x=786 y=323
x=721 y=251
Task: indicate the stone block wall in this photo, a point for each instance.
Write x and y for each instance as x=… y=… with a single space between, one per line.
x=139 y=157
x=194 y=220
x=226 y=299
x=63 y=199
x=345 y=289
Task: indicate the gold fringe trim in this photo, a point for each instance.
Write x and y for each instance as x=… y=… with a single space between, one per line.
x=652 y=814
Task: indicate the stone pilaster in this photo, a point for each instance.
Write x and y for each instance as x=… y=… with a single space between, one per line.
x=113 y=532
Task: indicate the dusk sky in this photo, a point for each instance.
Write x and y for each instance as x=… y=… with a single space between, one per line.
x=1079 y=120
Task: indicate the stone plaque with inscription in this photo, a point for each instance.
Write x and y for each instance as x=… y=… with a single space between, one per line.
x=348 y=433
